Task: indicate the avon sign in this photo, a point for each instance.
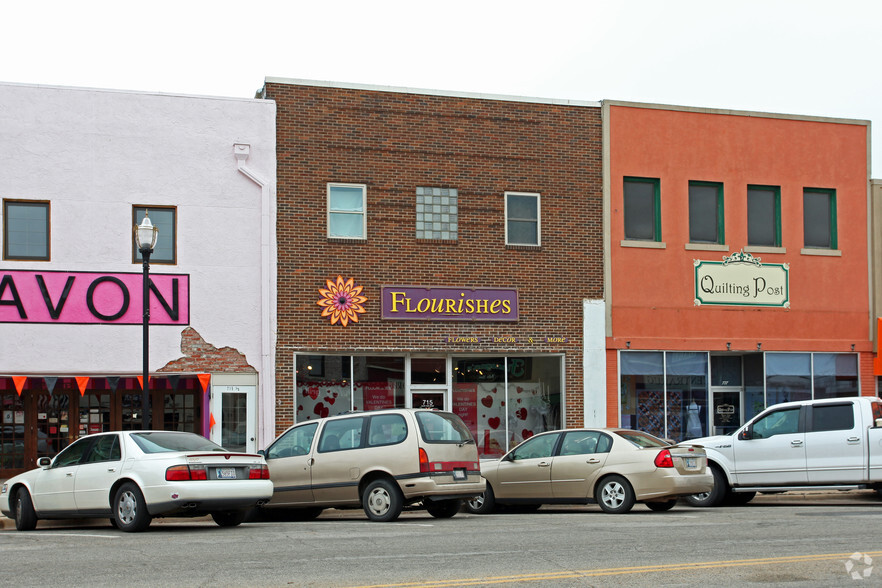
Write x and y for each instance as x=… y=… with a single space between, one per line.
x=87 y=298
x=428 y=303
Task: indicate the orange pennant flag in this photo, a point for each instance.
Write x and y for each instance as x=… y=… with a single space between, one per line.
x=19 y=383
x=141 y=381
x=82 y=382
x=204 y=379
x=211 y=421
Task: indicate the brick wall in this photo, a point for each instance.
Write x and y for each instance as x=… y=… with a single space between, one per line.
x=395 y=142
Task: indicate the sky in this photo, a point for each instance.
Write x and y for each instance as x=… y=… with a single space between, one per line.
x=806 y=57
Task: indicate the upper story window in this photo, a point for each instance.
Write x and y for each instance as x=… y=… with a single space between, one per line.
x=522 y=218
x=347 y=206
x=165 y=219
x=26 y=230
x=642 y=212
x=764 y=216
x=819 y=218
x=437 y=213
x=706 y=213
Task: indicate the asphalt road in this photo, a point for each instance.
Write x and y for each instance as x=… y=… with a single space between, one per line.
x=781 y=540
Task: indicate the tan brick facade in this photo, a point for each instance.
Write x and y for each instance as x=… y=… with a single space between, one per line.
x=395 y=142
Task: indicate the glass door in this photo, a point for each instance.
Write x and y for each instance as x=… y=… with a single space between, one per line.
x=231 y=407
x=429 y=382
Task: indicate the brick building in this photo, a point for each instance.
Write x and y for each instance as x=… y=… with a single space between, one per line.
x=439 y=249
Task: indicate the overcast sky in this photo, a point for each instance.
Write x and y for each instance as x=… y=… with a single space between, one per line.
x=799 y=57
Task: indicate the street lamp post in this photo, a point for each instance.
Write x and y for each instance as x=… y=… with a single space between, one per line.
x=145 y=239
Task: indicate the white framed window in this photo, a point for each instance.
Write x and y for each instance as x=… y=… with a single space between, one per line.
x=522 y=218
x=347 y=211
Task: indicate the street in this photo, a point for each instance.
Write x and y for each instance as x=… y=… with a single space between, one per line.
x=777 y=540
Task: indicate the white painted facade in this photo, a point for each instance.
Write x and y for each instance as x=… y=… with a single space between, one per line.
x=94 y=154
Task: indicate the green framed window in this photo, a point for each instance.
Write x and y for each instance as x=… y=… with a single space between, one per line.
x=26 y=230
x=819 y=218
x=764 y=216
x=642 y=208
x=706 y=221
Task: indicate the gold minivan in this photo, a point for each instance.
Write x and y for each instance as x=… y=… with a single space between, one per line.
x=380 y=460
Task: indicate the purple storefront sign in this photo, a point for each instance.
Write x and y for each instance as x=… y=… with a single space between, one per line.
x=426 y=303
x=87 y=298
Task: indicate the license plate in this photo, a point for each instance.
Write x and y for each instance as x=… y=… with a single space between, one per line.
x=691 y=463
x=226 y=473
x=459 y=474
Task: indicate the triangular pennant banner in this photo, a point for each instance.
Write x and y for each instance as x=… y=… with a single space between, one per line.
x=113 y=383
x=82 y=382
x=211 y=421
x=173 y=382
x=204 y=379
x=50 y=383
x=20 y=382
x=141 y=381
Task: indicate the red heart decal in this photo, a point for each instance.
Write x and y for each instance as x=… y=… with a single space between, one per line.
x=522 y=413
x=493 y=422
x=330 y=399
x=526 y=434
x=299 y=408
x=325 y=411
x=312 y=392
x=318 y=408
x=487 y=401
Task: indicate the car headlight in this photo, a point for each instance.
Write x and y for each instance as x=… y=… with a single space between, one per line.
x=3 y=490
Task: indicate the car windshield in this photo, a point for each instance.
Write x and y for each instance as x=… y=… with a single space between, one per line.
x=641 y=439
x=443 y=427
x=165 y=441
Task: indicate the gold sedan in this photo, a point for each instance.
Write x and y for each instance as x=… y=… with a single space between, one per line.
x=613 y=467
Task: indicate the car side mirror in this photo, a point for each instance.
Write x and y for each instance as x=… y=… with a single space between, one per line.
x=261 y=452
x=44 y=462
x=879 y=423
x=746 y=434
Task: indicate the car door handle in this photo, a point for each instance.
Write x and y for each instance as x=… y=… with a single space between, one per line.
x=111 y=469
x=593 y=460
x=544 y=464
x=796 y=443
x=854 y=439
x=68 y=475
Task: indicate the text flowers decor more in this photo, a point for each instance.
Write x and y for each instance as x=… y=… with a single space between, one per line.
x=341 y=301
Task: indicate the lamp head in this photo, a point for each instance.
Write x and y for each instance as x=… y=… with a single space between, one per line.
x=145 y=234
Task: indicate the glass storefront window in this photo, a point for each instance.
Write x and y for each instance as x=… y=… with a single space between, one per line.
x=482 y=379
x=643 y=391
x=788 y=377
x=324 y=386
x=686 y=395
x=754 y=388
x=533 y=396
x=378 y=382
x=835 y=375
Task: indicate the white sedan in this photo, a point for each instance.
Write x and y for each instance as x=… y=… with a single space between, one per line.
x=133 y=476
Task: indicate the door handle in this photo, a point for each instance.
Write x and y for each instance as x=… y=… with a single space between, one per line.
x=593 y=460
x=68 y=475
x=544 y=464
x=796 y=443
x=111 y=469
x=854 y=439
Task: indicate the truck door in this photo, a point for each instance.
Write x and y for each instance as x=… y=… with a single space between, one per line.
x=775 y=453
x=835 y=444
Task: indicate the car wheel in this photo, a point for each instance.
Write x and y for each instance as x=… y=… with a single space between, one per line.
x=739 y=498
x=130 y=509
x=482 y=504
x=662 y=506
x=382 y=501
x=715 y=496
x=443 y=509
x=229 y=518
x=615 y=495
x=25 y=516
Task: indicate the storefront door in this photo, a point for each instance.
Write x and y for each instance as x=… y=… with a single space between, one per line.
x=429 y=387
x=233 y=428
x=726 y=412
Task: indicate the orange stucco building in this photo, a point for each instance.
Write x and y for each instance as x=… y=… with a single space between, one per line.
x=738 y=267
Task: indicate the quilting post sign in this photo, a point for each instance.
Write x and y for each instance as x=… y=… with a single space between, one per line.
x=742 y=280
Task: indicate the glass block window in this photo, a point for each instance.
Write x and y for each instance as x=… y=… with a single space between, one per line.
x=437 y=213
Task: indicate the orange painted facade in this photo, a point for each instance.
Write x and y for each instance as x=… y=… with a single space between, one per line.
x=651 y=290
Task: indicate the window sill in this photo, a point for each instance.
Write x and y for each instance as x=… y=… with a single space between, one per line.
x=643 y=244
x=764 y=249
x=438 y=241
x=706 y=247
x=822 y=252
x=524 y=247
x=346 y=240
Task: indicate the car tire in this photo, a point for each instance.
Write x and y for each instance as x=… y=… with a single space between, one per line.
x=716 y=495
x=382 y=500
x=229 y=518
x=739 y=498
x=25 y=515
x=443 y=509
x=130 y=509
x=615 y=495
x=662 y=506
x=484 y=503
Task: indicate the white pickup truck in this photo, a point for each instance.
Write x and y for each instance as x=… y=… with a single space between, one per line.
x=810 y=445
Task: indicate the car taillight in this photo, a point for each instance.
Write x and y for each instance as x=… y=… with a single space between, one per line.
x=424 y=460
x=664 y=459
x=258 y=473
x=182 y=472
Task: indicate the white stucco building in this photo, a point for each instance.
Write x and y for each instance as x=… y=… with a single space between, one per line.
x=81 y=167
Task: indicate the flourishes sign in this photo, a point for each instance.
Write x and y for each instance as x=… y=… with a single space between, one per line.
x=341 y=301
